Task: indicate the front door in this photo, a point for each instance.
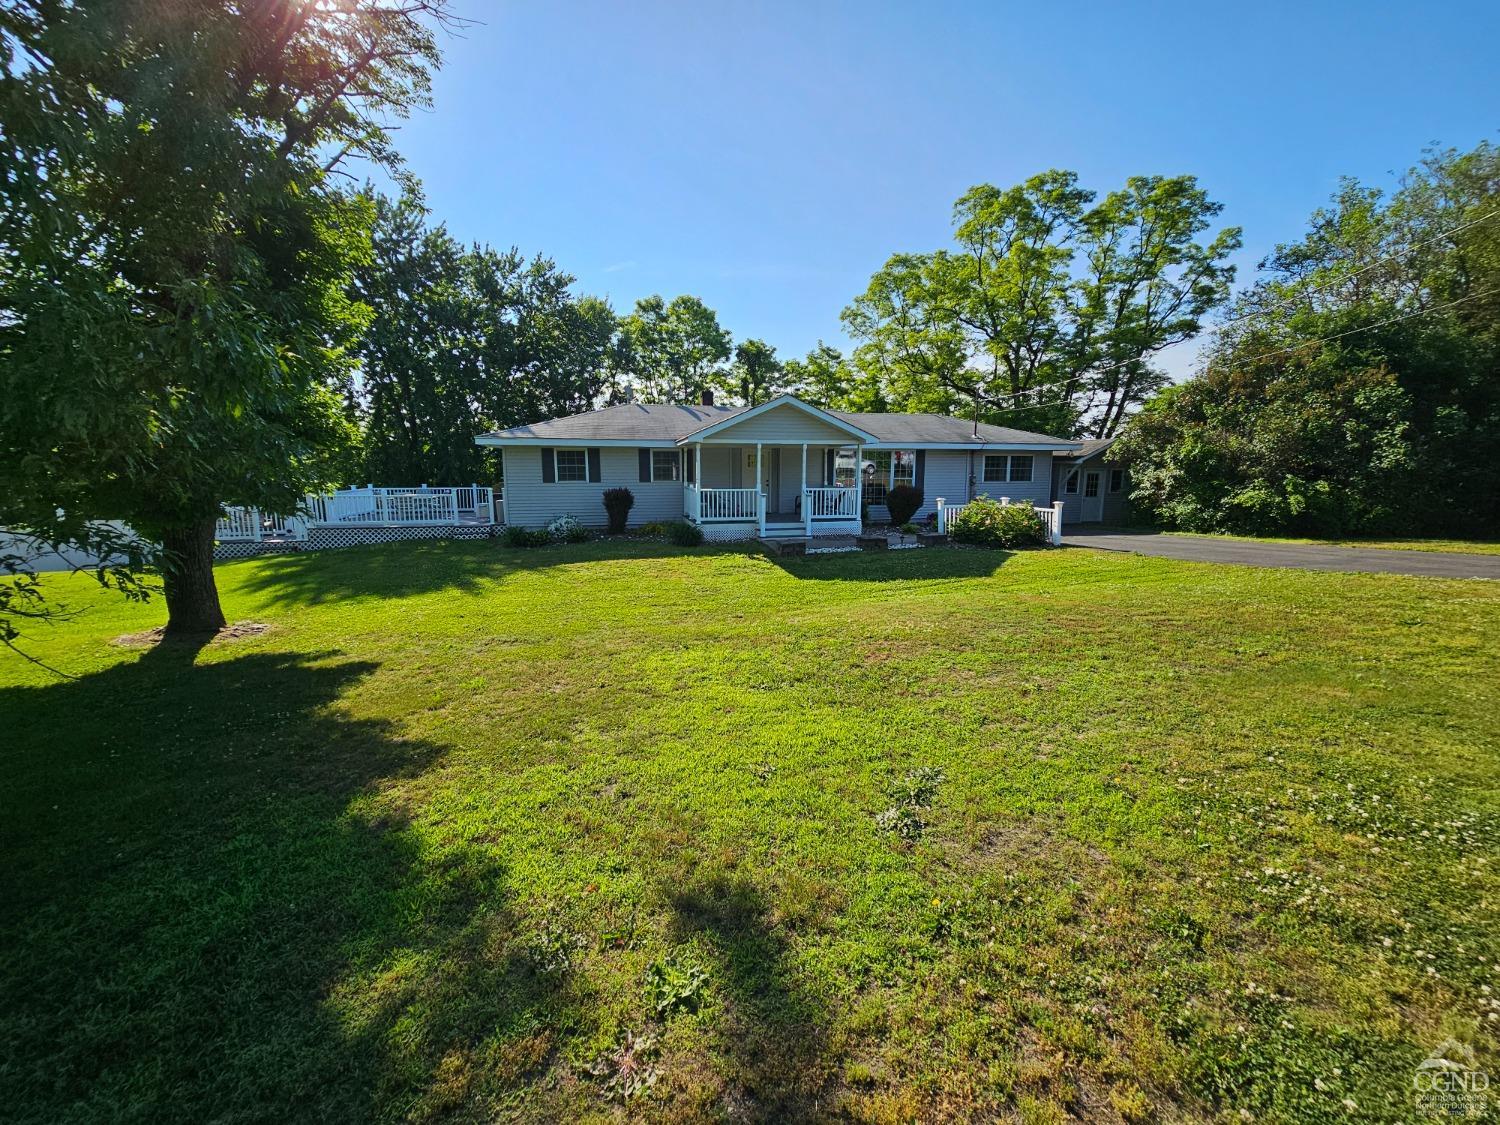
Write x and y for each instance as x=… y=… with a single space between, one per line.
x=770 y=482
x=1093 y=497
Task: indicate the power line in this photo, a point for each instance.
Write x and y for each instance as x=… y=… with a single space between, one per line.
x=1368 y=327
x=1362 y=269
x=1286 y=305
x=1305 y=343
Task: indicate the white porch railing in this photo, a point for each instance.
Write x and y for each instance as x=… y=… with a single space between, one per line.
x=831 y=503
x=722 y=503
x=364 y=507
x=238 y=525
x=1051 y=517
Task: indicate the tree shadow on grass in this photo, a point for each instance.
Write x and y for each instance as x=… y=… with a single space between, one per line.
x=218 y=907
x=400 y=570
x=774 y=1039
x=925 y=564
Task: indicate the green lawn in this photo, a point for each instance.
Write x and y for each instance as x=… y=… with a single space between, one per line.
x=940 y=835
x=1443 y=546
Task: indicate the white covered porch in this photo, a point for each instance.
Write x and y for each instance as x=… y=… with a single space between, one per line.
x=780 y=469
x=807 y=489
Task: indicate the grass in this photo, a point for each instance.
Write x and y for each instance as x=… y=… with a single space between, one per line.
x=1443 y=546
x=619 y=830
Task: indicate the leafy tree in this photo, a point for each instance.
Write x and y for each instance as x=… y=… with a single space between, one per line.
x=757 y=371
x=672 y=351
x=1354 y=383
x=825 y=378
x=174 y=259
x=1046 y=312
x=464 y=340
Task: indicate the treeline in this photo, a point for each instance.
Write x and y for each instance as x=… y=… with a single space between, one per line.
x=1356 y=387
x=465 y=339
x=1044 y=314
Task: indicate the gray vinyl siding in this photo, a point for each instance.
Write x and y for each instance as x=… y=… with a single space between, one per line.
x=783 y=425
x=947 y=472
x=1037 y=490
x=531 y=503
x=1115 y=506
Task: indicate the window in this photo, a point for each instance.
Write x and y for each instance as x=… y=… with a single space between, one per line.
x=1070 y=482
x=843 y=468
x=1091 y=484
x=1116 y=480
x=903 y=467
x=572 y=464
x=886 y=468
x=664 y=464
x=1000 y=467
x=877 y=476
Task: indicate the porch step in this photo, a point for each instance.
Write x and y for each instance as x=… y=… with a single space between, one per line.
x=783 y=546
x=785 y=531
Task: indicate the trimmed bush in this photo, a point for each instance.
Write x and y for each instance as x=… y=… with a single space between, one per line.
x=513 y=536
x=617 y=505
x=902 y=502
x=988 y=523
x=567 y=529
x=684 y=534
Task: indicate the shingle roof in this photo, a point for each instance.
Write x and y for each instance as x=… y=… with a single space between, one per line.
x=631 y=421
x=937 y=429
x=1092 y=447
x=657 y=422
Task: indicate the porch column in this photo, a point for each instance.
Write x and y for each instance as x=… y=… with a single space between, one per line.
x=859 y=485
x=698 y=482
x=806 y=504
x=760 y=496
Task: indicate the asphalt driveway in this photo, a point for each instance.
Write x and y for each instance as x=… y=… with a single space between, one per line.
x=1428 y=564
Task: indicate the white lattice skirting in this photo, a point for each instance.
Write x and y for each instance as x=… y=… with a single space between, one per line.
x=332 y=538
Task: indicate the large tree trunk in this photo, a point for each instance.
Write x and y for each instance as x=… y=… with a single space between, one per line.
x=188 y=580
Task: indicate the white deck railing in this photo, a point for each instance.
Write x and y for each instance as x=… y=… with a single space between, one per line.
x=831 y=503
x=1051 y=517
x=722 y=503
x=364 y=507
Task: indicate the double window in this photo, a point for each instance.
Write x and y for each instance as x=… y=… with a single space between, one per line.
x=1000 y=467
x=885 y=469
x=666 y=464
x=572 y=464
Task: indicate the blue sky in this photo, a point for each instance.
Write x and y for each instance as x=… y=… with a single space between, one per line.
x=768 y=157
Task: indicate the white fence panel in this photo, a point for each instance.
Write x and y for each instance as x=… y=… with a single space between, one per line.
x=727 y=503
x=1051 y=517
x=831 y=503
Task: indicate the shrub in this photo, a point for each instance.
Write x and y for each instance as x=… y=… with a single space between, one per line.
x=513 y=536
x=684 y=534
x=902 y=502
x=987 y=523
x=567 y=529
x=655 y=527
x=909 y=529
x=617 y=504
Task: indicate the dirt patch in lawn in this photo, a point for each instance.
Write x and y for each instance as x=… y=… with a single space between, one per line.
x=237 y=632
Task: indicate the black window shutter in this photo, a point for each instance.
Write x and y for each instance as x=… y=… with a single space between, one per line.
x=645 y=465
x=828 y=468
x=921 y=473
x=596 y=474
x=692 y=466
x=549 y=467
